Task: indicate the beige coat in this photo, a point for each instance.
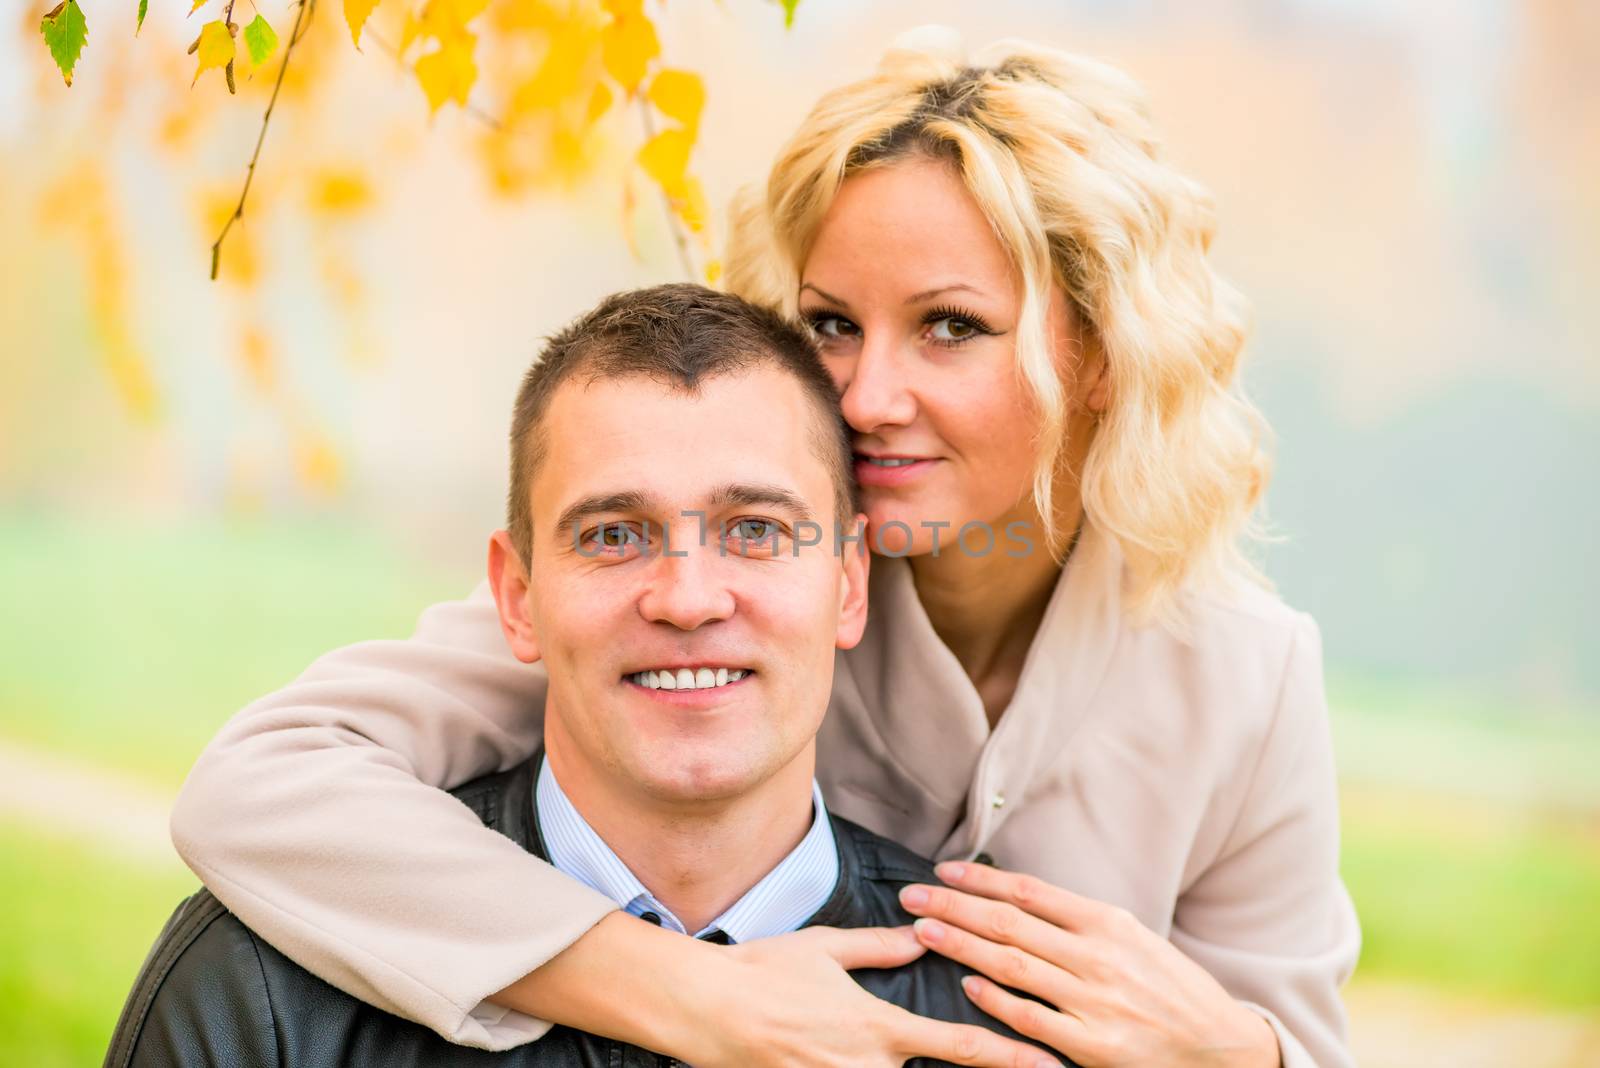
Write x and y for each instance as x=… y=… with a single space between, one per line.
x=1191 y=783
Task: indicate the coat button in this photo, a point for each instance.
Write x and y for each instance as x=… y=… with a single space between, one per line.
x=984 y=858
x=998 y=800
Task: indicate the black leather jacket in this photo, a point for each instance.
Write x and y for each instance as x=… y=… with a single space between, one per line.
x=212 y=993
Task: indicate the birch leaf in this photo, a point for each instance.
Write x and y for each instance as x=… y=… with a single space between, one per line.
x=215 y=48
x=665 y=157
x=627 y=45
x=356 y=13
x=144 y=7
x=448 y=73
x=260 y=39
x=679 y=95
x=65 y=33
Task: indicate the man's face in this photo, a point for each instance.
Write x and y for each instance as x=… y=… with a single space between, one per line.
x=617 y=619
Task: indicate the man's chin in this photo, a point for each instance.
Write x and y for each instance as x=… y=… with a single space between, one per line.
x=690 y=782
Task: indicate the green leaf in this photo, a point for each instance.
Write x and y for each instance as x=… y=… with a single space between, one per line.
x=65 y=33
x=259 y=40
x=788 y=12
x=144 y=5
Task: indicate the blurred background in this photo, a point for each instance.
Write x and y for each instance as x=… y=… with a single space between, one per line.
x=204 y=485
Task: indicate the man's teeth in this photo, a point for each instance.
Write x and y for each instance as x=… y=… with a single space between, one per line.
x=886 y=462
x=687 y=678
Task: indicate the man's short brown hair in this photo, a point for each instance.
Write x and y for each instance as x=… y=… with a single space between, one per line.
x=678 y=335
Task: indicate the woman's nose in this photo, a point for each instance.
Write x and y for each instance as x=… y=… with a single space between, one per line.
x=876 y=393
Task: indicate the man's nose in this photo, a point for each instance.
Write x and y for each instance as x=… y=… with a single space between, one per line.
x=876 y=394
x=687 y=585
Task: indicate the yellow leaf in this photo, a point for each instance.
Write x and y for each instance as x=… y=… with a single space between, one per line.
x=340 y=193
x=689 y=201
x=409 y=31
x=449 y=72
x=198 y=4
x=665 y=157
x=627 y=45
x=566 y=74
x=713 y=272
x=446 y=18
x=599 y=103
x=356 y=13
x=679 y=95
x=216 y=48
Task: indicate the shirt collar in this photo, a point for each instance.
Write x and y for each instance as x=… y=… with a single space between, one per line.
x=785 y=898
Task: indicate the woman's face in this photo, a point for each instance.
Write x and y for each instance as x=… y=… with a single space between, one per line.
x=916 y=306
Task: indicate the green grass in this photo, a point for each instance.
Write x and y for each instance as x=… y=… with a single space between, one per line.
x=129 y=645
x=77 y=925
x=1476 y=899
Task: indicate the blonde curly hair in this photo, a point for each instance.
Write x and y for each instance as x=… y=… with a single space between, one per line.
x=1060 y=153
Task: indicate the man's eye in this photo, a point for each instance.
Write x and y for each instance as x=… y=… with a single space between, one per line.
x=755 y=529
x=612 y=538
x=754 y=536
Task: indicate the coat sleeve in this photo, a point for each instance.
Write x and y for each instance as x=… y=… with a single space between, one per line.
x=1270 y=918
x=318 y=816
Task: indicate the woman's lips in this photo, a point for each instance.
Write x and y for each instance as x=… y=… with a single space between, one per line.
x=891 y=470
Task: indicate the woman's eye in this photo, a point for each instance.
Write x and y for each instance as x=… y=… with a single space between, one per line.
x=830 y=327
x=954 y=328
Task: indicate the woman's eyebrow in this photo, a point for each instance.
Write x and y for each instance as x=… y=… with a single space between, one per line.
x=954 y=287
x=825 y=295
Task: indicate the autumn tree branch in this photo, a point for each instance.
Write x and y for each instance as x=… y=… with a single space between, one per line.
x=304 y=9
x=685 y=257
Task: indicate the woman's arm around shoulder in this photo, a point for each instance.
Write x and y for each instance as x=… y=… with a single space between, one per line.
x=1270 y=918
x=315 y=818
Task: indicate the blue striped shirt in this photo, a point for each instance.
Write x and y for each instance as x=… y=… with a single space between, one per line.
x=785 y=898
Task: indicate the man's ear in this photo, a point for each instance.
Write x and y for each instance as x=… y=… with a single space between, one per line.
x=855 y=570
x=508 y=578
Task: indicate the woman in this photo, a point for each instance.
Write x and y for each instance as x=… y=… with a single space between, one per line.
x=1009 y=285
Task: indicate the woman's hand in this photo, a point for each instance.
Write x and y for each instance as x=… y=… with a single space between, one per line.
x=1114 y=993
x=789 y=1000
x=770 y=1003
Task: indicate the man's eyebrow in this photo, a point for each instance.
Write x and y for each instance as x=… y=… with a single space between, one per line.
x=757 y=494
x=599 y=504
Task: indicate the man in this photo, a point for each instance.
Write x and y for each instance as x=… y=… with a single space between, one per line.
x=679 y=474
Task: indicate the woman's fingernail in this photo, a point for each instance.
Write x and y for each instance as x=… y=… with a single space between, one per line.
x=951 y=871
x=914 y=897
x=972 y=985
x=930 y=930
